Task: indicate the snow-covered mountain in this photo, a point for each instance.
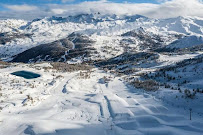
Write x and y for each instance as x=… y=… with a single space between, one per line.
x=186 y=42
x=105 y=30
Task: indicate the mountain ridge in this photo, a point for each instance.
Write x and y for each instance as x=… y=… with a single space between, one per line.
x=99 y=28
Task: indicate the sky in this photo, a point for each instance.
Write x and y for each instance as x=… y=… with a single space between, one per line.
x=31 y=9
x=37 y=2
x=3 y=3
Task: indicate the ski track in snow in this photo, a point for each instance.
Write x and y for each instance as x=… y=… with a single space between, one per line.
x=88 y=107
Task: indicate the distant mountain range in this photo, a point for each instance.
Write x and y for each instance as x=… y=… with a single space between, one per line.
x=110 y=35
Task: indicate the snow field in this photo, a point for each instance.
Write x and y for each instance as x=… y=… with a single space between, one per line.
x=73 y=105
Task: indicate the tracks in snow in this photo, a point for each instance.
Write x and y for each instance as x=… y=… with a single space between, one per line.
x=115 y=109
x=119 y=108
x=131 y=110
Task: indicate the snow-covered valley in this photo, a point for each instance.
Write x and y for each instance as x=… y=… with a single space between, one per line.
x=101 y=104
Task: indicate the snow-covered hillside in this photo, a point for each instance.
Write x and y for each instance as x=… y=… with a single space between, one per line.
x=98 y=27
x=186 y=42
x=101 y=103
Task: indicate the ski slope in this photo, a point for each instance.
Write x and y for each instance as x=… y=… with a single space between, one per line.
x=103 y=104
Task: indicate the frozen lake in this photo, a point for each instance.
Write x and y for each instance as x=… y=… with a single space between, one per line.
x=26 y=74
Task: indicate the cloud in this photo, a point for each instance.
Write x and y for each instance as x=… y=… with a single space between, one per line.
x=104 y=7
x=176 y=8
x=166 y=9
x=23 y=7
x=58 y=11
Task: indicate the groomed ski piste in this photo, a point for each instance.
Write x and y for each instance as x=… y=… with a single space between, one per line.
x=101 y=104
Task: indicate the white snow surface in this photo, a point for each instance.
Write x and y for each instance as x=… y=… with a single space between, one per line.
x=186 y=42
x=76 y=106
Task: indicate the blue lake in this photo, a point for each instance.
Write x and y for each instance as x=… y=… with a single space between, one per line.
x=26 y=74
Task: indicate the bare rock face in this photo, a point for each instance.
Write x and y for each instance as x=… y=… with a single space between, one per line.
x=61 y=50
